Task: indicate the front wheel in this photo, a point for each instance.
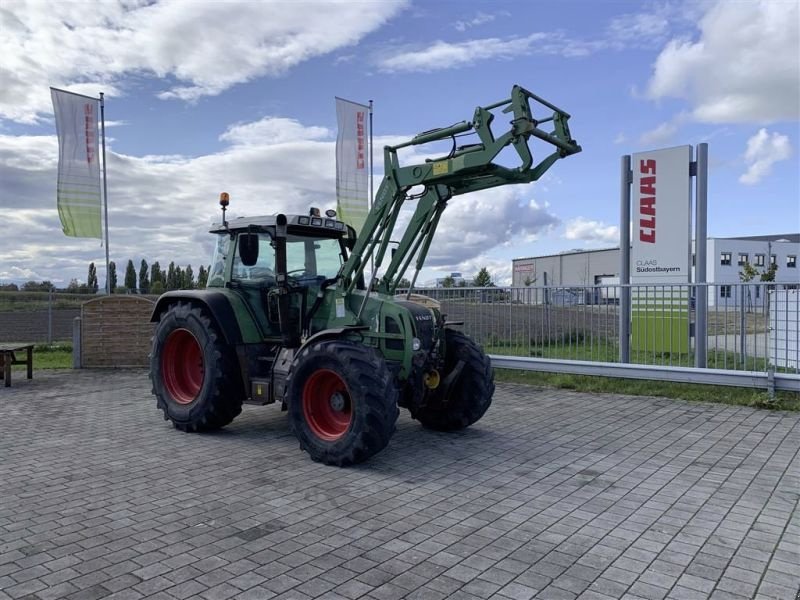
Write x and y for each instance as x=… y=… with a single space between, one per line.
x=342 y=402
x=465 y=393
x=194 y=375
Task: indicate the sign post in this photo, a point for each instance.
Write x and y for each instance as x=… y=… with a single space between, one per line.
x=661 y=250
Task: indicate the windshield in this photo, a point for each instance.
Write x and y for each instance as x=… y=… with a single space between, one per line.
x=313 y=257
x=308 y=260
x=264 y=269
x=216 y=275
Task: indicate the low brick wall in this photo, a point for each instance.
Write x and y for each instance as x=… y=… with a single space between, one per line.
x=116 y=331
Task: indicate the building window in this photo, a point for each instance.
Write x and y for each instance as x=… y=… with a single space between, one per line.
x=759 y=260
x=791 y=262
x=693 y=259
x=758 y=292
x=773 y=259
x=724 y=291
x=725 y=258
x=744 y=258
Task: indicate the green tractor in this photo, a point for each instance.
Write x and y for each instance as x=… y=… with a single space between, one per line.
x=288 y=317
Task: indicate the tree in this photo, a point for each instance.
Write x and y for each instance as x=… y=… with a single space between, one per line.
x=769 y=274
x=529 y=281
x=157 y=288
x=37 y=286
x=188 y=278
x=156 y=275
x=91 y=279
x=448 y=282
x=403 y=284
x=179 y=278
x=202 y=277
x=144 y=280
x=170 y=284
x=9 y=287
x=482 y=279
x=130 y=276
x=111 y=276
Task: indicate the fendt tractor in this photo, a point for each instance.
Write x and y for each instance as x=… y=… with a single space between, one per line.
x=287 y=316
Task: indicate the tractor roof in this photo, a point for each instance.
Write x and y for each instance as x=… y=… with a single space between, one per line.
x=325 y=225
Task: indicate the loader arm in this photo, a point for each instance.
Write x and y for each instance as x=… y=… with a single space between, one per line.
x=465 y=169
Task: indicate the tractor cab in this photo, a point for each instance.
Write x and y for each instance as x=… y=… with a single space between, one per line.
x=280 y=265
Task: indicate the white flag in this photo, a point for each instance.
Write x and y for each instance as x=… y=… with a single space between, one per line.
x=78 y=193
x=352 y=163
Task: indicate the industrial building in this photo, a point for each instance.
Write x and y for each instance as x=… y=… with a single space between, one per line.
x=724 y=259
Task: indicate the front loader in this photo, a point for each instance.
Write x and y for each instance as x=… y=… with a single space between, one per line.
x=288 y=317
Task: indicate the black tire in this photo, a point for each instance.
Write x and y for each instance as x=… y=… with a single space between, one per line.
x=470 y=395
x=342 y=402
x=194 y=374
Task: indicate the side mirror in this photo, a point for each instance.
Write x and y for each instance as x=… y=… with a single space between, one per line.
x=248 y=248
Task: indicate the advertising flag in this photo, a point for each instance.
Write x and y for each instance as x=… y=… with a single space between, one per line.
x=78 y=189
x=352 y=163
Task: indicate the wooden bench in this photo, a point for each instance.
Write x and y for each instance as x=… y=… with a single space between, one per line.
x=8 y=357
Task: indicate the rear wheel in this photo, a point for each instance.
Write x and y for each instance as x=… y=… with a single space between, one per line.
x=193 y=372
x=342 y=402
x=465 y=398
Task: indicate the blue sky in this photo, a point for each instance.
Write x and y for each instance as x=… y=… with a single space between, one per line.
x=240 y=98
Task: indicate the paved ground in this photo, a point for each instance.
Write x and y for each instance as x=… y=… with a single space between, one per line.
x=552 y=495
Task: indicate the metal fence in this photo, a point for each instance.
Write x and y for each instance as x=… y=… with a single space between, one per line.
x=43 y=317
x=751 y=334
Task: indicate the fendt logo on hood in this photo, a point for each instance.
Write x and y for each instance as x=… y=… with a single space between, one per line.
x=423 y=317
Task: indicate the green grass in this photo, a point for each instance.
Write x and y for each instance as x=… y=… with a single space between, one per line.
x=734 y=396
x=575 y=347
x=53 y=356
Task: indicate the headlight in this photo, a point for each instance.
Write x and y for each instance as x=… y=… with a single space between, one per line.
x=416 y=344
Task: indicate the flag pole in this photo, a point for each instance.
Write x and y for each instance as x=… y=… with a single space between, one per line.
x=371 y=183
x=105 y=187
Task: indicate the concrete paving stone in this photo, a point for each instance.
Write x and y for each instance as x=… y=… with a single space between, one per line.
x=353 y=589
x=558 y=484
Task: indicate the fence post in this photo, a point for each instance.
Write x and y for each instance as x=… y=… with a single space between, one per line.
x=76 y=343
x=50 y=315
x=700 y=247
x=626 y=178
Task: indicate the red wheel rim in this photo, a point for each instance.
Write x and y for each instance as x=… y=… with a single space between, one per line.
x=182 y=366
x=326 y=405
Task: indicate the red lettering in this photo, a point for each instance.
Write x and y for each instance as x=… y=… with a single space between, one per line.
x=647 y=206
x=648 y=237
x=647 y=202
x=647 y=186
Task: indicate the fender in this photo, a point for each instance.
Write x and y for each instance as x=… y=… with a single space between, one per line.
x=330 y=334
x=218 y=304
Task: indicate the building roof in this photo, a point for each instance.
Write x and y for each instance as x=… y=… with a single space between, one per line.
x=783 y=237
x=565 y=253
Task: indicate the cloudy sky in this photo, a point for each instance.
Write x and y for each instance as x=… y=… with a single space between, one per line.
x=239 y=97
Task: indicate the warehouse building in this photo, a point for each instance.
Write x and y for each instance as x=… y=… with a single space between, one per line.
x=725 y=258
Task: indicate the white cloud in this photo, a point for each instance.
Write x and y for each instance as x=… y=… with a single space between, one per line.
x=591 y=231
x=745 y=66
x=160 y=207
x=441 y=55
x=640 y=29
x=479 y=19
x=663 y=132
x=764 y=150
x=272 y=130
x=205 y=47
